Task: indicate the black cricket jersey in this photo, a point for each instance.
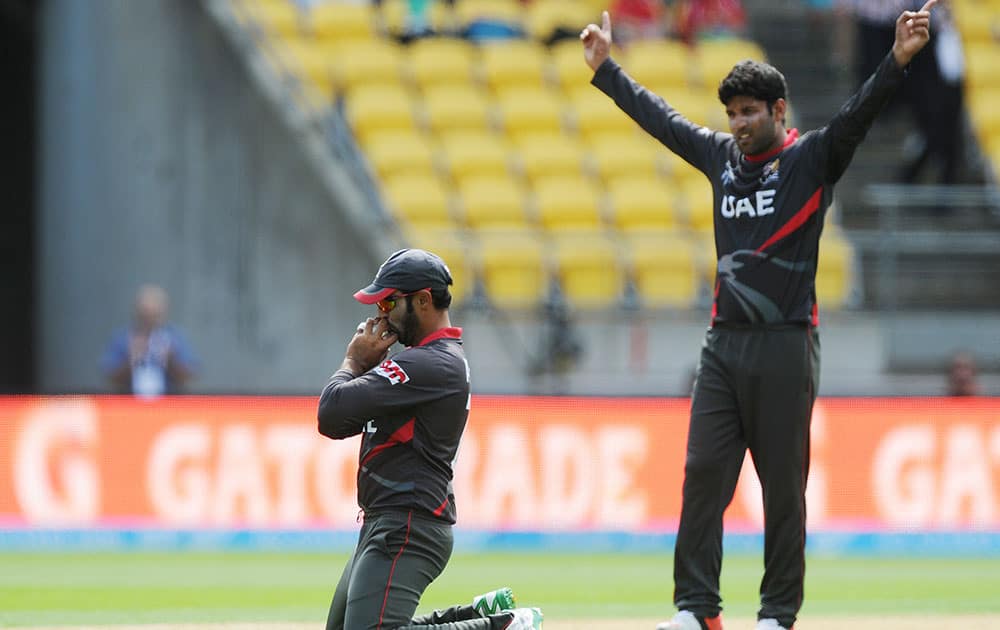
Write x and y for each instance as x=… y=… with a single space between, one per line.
x=411 y=411
x=769 y=208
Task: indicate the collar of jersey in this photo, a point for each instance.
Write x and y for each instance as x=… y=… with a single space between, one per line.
x=790 y=137
x=442 y=333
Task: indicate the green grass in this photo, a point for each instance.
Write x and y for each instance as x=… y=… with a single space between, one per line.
x=107 y=588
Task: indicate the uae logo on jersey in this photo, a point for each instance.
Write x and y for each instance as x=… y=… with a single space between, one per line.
x=392 y=372
x=770 y=172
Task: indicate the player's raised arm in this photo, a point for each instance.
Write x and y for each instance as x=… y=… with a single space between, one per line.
x=913 y=29
x=597 y=42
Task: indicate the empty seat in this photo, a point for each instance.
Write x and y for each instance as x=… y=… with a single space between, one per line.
x=698 y=203
x=642 y=203
x=377 y=109
x=714 y=58
x=420 y=200
x=663 y=269
x=437 y=61
x=488 y=20
x=397 y=21
x=701 y=107
x=473 y=154
x=496 y=201
x=660 y=62
x=595 y=114
x=977 y=22
x=565 y=202
x=451 y=108
x=530 y=111
x=834 y=272
x=569 y=70
x=512 y=267
x=451 y=245
x=627 y=155
x=394 y=153
x=589 y=269
x=548 y=18
x=364 y=63
x=545 y=155
x=982 y=63
x=341 y=21
x=505 y=65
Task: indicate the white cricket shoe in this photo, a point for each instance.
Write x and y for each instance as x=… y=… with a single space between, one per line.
x=686 y=620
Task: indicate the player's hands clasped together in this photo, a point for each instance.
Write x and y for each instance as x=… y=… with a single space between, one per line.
x=369 y=346
x=597 y=42
x=913 y=30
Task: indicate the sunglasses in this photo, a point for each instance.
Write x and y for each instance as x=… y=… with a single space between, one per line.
x=388 y=304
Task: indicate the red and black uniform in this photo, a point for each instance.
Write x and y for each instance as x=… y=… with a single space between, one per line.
x=411 y=411
x=758 y=370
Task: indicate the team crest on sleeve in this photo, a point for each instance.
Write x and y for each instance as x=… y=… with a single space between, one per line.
x=392 y=372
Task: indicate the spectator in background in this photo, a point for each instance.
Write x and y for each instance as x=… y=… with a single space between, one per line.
x=705 y=19
x=638 y=19
x=151 y=358
x=934 y=95
x=962 y=376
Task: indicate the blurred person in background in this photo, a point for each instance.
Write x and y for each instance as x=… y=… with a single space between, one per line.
x=705 y=19
x=411 y=410
x=151 y=358
x=935 y=95
x=639 y=19
x=758 y=372
x=963 y=379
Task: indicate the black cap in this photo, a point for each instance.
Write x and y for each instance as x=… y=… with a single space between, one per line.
x=406 y=271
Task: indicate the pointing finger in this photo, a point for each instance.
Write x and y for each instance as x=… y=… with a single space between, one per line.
x=606 y=20
x=928 y=5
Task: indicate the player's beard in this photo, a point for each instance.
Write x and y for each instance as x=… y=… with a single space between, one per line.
x=407 y=331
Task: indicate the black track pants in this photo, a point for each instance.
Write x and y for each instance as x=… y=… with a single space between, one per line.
x=755 y=390
x=398 y=555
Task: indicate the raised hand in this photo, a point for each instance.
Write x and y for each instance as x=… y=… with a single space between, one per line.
x=597 y=42
x=913 y=29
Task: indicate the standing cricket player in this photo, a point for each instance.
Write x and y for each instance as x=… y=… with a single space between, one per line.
x=758 y=371
x=411 y=410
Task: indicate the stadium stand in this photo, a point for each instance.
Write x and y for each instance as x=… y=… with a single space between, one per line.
x=495 y=148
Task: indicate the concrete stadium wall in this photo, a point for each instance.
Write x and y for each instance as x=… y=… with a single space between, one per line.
x=162 y=162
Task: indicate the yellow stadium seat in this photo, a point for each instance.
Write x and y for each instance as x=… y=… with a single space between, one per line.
x=660 y=62
x=982 y=65
x=505 y=65
x=435 y=61
x=834 y=273
x=546 y=18
x=595 y=114
x=663 y=269
x=569 y=69
x=364 y=63
x=496 y=201
x=274 y=18
x=451 y=245
x=530 y=111
x=628 y=155
x=567 y=202
x=377 y=109
x=698 y=204
x=714 y=58
x=977 y=22
x=394 y=153
x=983 y=110
x=588 y=267
x=642 y=203
x=395 y=17
x=454 y=108
x=545 y=155
x=418 y=199
x=701 y=107
x=472 y=154
x=506 y=11
x=341 y=21
x=512 y=267
x=681 y=172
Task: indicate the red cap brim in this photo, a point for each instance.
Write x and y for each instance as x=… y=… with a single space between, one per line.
x=372 y=294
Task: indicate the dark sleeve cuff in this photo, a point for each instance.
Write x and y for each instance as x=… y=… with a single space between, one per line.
x=602 y=77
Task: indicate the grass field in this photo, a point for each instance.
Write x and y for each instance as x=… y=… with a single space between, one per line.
x=55 y=589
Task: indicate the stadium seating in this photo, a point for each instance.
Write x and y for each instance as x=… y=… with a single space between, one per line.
x=472 y=154
x=436 y=61
x=492 y=201
x=834 y=275
x=662 y=265
x=567 y=202
x=509 y=64
x=452 y=246
x=341 y=22
x=512 y=267
x=399 y=152
x=547 y=154
x=420 y=200
x=527 y=111
x=588 y=267
x=642 y=203
x=451 y=108
x=659 y=62
x=377 y=109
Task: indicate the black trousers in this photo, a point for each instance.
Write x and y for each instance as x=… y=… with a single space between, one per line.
x=754 y=390
x=398 y=555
